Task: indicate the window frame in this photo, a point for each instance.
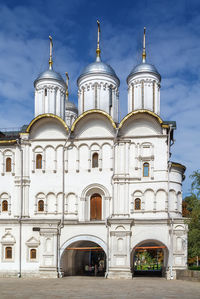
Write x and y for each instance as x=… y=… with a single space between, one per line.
x=30 y=254
x=135 y=203
x=101 y=212
x=145 y=165
x=95 y=163
x=6 y=253
x=38 y=205
x=38 y=163
x=8 y=167
x=2 y=205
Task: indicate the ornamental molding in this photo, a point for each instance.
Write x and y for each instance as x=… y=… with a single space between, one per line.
x=33 y=242
x=120 y=234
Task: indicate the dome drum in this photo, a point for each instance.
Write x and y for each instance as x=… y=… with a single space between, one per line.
x=144 y=88
x=99 y=92
x=50 y=95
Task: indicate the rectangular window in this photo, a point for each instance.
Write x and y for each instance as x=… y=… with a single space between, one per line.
x=33 y=254
x=146 y=169
x=8 y=252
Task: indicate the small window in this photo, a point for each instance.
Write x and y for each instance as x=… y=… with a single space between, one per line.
x=39 y=161
x=4 y=206
x=45 y=92
x=95 y=160
x=8 y=164
x=146 y=169
x=137 y=204
x=41 y=206
x=33 y=254
x=8 y=252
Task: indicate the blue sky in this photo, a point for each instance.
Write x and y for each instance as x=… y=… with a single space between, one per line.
x=173 y=46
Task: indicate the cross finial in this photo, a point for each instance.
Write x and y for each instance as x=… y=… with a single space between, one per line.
x=50 y=54
x=67 y=86
x=144 y=47
x=98 y=51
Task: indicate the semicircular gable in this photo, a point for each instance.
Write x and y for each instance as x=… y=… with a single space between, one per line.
x=140 y=123
x=47 y=126
x=94 y=123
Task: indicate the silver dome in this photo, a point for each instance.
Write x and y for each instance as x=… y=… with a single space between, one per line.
x=71 y=106
x=98 y=67
x=49 y=74
x=144 y=68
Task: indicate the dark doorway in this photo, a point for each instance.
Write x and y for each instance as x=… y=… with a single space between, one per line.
x=149 y=260
x=84 y=258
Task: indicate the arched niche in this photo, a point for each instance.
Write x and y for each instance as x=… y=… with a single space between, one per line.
x=46 y=126
x=94 y=123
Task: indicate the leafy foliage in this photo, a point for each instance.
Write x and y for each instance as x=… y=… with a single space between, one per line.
x=191 y=209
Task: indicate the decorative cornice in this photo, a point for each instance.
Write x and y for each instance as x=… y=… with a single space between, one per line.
x=8 y=141
x=178 y=165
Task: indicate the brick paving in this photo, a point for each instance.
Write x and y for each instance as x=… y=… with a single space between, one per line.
x=95 y=288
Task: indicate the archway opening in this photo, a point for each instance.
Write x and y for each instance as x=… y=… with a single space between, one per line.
x=83 y=258
x=149 y=258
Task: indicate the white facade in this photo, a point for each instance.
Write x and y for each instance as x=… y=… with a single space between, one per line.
x=51 y=178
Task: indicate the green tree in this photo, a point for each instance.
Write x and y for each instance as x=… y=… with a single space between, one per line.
x=192 y=204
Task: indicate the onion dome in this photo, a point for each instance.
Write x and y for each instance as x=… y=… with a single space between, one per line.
x=144 y=67
x=50 y=91
x=98 y=67
x=71 y=106
x=49 y=74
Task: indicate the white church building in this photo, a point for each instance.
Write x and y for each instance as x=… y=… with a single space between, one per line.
x=82 y=191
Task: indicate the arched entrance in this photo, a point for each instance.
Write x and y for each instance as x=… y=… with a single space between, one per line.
x=149 y=258
x=83 y=258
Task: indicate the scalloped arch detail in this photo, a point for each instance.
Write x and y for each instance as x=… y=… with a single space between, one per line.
x=140 y=112
x=46 y=115
x=90 y=112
